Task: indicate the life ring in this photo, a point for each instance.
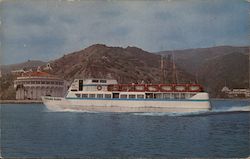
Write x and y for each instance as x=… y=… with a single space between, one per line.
x=99 y=87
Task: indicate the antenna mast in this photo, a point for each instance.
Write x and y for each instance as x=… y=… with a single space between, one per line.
x=163 y=69
x=162 y=73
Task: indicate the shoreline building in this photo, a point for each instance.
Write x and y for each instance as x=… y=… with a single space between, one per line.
x=236 y=92
x=33 y=85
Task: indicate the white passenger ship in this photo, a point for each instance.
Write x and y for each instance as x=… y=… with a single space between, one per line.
x=106 y=95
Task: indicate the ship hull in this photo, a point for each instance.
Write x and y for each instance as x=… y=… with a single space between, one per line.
x=127 y=105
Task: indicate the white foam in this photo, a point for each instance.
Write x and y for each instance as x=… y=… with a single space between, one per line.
x=170 y=114
x=77 y=111
x=245 y=108
x=70 y=110
x=214 y=111
x=152 y=114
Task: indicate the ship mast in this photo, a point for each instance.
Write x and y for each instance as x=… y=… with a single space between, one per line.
x=163 y=69
x=162 y=73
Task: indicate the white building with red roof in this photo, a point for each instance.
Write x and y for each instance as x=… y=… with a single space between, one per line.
x=33 y=85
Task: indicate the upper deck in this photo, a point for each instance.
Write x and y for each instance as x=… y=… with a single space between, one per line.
x=100 y=88
x=110 y=85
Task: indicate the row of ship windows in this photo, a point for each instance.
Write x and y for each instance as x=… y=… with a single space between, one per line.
x=39 y=82
x=109 y=96
x=93 y=95
x=99 y=81
x=139 y=96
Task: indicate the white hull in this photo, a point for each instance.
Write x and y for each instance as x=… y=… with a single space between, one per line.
x=124 y=105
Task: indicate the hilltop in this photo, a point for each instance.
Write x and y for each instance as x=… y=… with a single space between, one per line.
x=127 y=65
x=24 y=65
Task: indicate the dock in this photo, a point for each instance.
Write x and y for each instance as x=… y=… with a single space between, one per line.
x=20 y=101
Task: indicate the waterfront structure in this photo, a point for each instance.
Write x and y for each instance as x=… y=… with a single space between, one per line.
x=236 y=92
x=33 y=85
x=106 y=95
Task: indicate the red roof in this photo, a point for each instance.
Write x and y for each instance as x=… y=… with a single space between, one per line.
x=39 y=74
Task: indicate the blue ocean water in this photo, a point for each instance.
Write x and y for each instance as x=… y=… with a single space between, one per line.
x=30 y=130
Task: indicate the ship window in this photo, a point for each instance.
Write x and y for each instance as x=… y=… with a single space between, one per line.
x=78 y=95
x=131 y=96
x=103 y=81
x=80 y=85
x=158 y=96
x=176 y=95
x=33 y=82
x=149 y=95
x=37 y=82
x=84 y=95
x=99 y=95
x=123 y=96
x=95 y=81
x=52 y=82
x=43 y=82
x=140 y=96
x=166 y=95
x=47 y=82
x=91 y=95
x=107 y=95
x=182 y=95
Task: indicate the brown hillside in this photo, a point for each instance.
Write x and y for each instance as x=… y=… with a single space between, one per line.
x=127 y=65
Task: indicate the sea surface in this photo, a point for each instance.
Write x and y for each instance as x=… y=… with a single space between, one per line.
x=30 y=130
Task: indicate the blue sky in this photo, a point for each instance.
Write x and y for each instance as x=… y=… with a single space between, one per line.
x=47 y=29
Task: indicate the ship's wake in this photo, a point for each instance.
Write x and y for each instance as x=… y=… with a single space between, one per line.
x=58 y=110
x=215 y=111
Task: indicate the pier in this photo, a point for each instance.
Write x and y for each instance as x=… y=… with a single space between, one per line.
x=20 y=101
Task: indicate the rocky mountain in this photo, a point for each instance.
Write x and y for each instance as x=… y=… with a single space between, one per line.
x=216 y=66
x=230 y=70
x=127 y=65
x=193 y=59
x=25 y=65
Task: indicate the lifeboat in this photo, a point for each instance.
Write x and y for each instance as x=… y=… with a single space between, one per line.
x=113 y=88
x=139 y=88
x=166 y=88
x=194 y=88
x=126 y=87
x=152 y=88
x=180 y=88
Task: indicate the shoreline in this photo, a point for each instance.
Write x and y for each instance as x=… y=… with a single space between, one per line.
x=21 y=101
